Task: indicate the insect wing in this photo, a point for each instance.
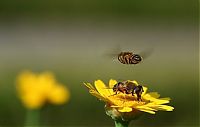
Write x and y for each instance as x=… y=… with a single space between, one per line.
x=113 y=52
x=146 y=53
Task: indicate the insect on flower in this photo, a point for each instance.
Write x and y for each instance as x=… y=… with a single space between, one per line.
x=149 y=102
x=128 y=87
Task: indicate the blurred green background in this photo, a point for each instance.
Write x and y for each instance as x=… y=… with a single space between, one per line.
x=71 y=38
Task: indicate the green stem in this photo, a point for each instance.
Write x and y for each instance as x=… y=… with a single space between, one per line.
x=121 y=123
x=32 y=118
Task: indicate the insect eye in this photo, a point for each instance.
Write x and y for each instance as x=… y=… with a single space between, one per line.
x=137 y=58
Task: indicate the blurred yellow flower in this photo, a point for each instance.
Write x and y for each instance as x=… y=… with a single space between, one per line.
x=127 y=103
x=36 y=89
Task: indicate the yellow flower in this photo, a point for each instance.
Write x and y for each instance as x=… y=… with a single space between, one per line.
x=36 y=89
x=127 y=103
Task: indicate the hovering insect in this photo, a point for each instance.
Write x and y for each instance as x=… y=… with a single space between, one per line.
x=129 y=58
x=128 y=87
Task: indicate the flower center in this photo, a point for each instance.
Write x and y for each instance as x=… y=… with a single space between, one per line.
x=126 y=100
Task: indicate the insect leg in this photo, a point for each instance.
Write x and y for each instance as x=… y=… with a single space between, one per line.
x=132 y=92
x=139 y=97
x=114 y=94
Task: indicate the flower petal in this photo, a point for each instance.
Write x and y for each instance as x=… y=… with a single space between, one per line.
x=93 y=91
x=125 y=109
x=89 y=86
x=115 y=106
x=112 y=83
x=148 y=111
x=154 y=94
x=145 y=107
x=96 y=94
x=149 y=97
x=163 y=107
x=145 y=90
x=102 y=89
x=166 y=98
x=167 y=108
x=159 y=101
